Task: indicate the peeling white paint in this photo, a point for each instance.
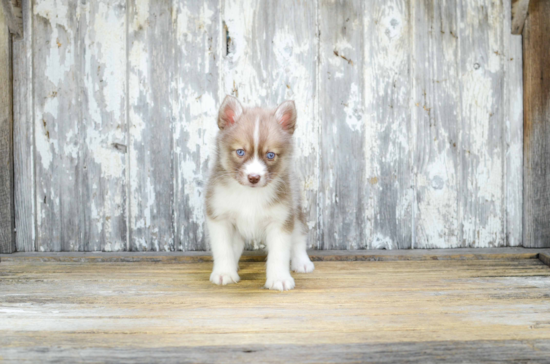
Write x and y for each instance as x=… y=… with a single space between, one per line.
x=56 y=14
x=112 y=47
x=438 y=222
x=354 y=109
x=422 y=106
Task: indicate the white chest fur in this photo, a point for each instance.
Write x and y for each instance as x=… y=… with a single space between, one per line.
x=250 y=210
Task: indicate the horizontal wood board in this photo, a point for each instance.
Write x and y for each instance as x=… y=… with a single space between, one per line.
x=260 y=256
x=409 y=128
x=430 y=310
x=481 y=351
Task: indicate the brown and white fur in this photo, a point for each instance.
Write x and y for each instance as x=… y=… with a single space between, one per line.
x=255 y=196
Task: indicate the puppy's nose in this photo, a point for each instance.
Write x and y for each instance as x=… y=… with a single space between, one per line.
x=254 y=178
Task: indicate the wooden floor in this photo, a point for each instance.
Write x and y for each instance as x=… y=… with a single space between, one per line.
x=462 y=308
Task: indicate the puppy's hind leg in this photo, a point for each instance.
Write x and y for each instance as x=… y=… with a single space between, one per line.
x=300 y=261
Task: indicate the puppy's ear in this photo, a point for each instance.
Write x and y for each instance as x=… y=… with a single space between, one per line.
x=286 y=116
x=230 y=111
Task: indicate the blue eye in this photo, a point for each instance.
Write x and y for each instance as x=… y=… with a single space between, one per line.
x=240 y=152
x=270 y=155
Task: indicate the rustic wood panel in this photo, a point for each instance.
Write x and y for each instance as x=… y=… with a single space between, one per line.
x=270 y=56
x=68 y=311
x=342 y=167
x=409 y=131
x=436 y=129
x=80 y=125
x=23 y=139
x=7 y=237
x=196 y=96
x=482 y=146
x=56 y=54
x=102 y=126
x=513 y=135
x=467 y=163
x=536 y=78
x=151 y=78
x=387 y=125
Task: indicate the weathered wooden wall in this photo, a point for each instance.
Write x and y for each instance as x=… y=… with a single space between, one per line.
x=410 y=118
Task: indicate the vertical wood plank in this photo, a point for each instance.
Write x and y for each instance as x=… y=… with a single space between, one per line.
x=151 y=74
x=195 y=103
x=342 y=186
x=436 y=117
x=271 y=56
x=57 y=125
x=103 y=131
x=7 y=237
x=536 y=85
x=387 y=124
x=481 y=58
x=513 y=119
x=23 y=134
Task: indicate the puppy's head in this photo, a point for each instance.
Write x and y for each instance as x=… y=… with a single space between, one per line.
x=255 y=145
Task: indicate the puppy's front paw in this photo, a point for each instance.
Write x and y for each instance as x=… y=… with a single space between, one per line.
x=284 y=283
x=223 y=278
x=303 y=265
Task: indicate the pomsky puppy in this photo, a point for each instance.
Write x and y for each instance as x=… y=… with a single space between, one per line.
x=252 y=193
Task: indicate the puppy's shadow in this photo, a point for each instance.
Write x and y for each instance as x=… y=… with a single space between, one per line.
x=252 y=270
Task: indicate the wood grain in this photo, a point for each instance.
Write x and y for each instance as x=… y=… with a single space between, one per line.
x=479 y=351
x=195 y=99
x=57 y=54
x=61 y=310
x=386 y=119
x=23 y=135
x=103 y=129
x=13 y=17
x=151 y=77
x=512 y=90
x=536 y=85
x=482 y=144
x=519 y=14
x=7 y=237
x=436 y=129
x=343 y=186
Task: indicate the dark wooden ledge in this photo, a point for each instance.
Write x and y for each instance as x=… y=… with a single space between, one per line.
x=315 y=255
